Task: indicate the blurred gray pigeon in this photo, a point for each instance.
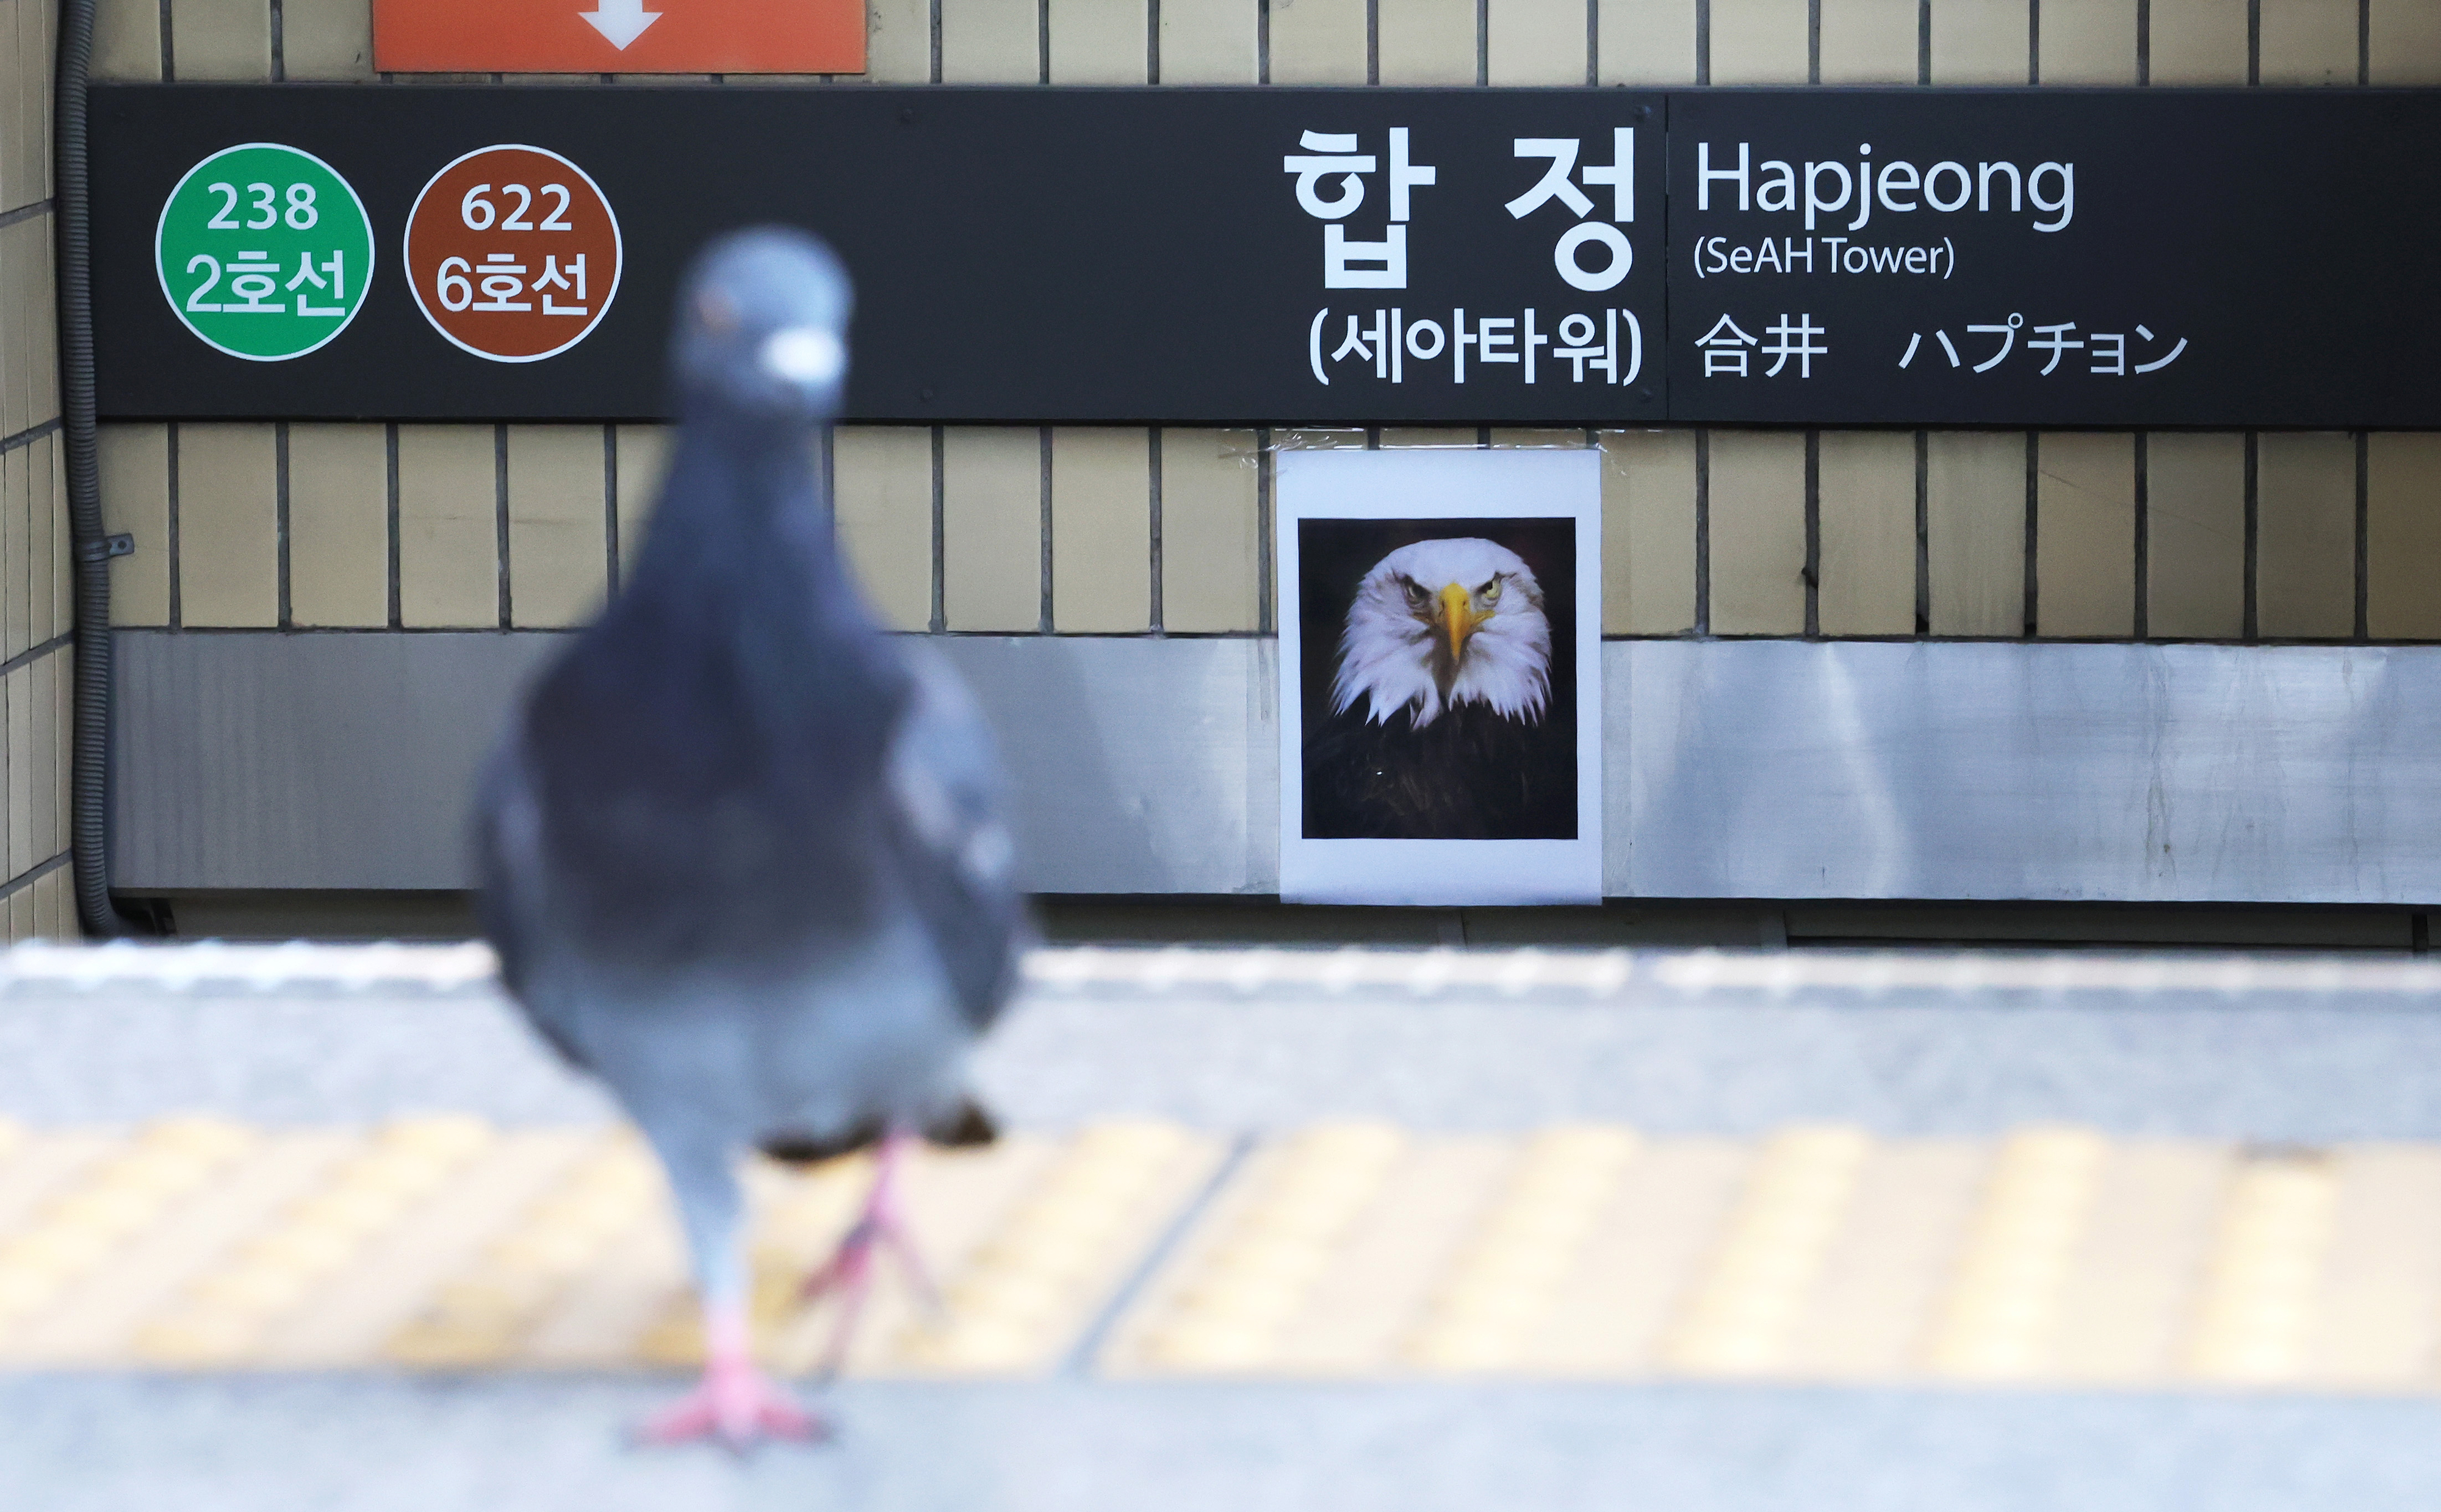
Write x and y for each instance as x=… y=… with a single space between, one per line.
x=741 y=851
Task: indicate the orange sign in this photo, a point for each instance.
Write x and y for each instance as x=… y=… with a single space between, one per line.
x=512 y=253
x=619 y=36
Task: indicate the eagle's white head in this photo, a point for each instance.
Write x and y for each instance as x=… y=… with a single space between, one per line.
x=1438 y=623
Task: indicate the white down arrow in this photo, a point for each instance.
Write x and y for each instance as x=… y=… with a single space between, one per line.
x=622 y=20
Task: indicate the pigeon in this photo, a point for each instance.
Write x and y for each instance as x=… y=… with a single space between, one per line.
x=742 y=855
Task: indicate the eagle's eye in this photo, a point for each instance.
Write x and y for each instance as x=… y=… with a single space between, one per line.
x=1418 y=599
x=1490 y=592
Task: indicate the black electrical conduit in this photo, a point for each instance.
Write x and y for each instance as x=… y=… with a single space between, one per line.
x=89 y=764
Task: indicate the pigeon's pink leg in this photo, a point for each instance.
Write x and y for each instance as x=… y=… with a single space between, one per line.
x=849 y=1272
x=736 y=1402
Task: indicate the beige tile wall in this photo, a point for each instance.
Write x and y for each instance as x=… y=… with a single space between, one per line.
x=1099 y=42
x=2088 y=42
x=882 y=484
x=1648 y=532
x=2305 y=535
x=1757 y=497
x=448 y=527
x=1752 y=509
x=2403 y=537
x=2195 y=523
x=1974 y=531
x=2215 y=536
x=1760 y=41
x=36 y=603
x=991 y=541
x=1101 y=531
x=338 y=526
x=1211 y=532
x=1866 y=486
x=1535 y=42
x=1868 y=42
x=2085 y=540
x=2197 y=42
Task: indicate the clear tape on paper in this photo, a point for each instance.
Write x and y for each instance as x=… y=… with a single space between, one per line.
x=1249 y=447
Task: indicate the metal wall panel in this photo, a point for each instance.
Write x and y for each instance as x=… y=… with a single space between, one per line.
x=1787 y=769
x=1138 y=765
x=1769 y=769
x=336 y=760
x=345 y=760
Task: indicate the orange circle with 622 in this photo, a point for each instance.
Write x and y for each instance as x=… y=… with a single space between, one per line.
x=512 y=253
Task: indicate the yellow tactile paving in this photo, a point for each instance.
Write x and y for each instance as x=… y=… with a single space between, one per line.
x=1505 y=1279
x=2382 y=1298
x=1754 y=1293
x=2001 y=1311
x=2051 y=1256
x=1024 y=1293
x=32 y=1167
x=98 y=1318
x=2127 y=1304
x=117 y=1197
x=1887 y=1267
x=1243 y=1292
x=500 y=1297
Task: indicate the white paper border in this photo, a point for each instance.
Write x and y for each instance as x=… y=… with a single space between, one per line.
x=1427 y=483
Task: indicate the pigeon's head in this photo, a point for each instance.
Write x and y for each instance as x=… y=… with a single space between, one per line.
x=761 y=327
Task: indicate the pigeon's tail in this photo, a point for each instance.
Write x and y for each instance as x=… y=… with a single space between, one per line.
x=965 y=1126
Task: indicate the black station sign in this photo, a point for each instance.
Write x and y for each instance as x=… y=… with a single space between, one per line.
x=2055 y=257
x=1566 y=257
x=1019 y=254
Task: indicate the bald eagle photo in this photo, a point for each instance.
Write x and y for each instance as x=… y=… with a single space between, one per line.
x=1448 y=709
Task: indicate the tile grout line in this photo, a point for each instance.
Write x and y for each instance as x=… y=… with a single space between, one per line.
x=611 y=503
x=1154 y=529
x=1044 y=621
x=286 y=613
x=177 y=601
x=501 y=520
x=2142 y=622
x=2363 y=624
x=1078 y=1362
x=1266 y=536
x=393 y=610
x=939 y=617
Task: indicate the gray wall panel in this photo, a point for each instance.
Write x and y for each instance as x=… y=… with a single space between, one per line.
x=1788 y=770
x=1764 y=768
x=346 y=760
x=1140 y=766
x=304 y=760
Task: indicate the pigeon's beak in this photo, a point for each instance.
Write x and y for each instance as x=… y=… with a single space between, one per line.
x=1457 y=619
x=804 y=357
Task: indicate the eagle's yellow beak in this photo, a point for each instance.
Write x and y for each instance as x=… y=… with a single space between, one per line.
x=1457 y=614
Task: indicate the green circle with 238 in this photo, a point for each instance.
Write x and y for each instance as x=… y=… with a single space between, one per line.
x=265 y=251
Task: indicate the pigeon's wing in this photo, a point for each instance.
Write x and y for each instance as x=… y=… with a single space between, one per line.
x=956 y=855
x=508 y=868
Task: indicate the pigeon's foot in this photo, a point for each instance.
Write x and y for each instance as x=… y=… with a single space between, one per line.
x=735 y=1404
x=849 y=1271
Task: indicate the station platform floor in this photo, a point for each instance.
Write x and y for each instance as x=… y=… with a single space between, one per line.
x=321 y=1226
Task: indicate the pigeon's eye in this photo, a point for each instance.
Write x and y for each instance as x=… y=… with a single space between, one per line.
x=1490 y=592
